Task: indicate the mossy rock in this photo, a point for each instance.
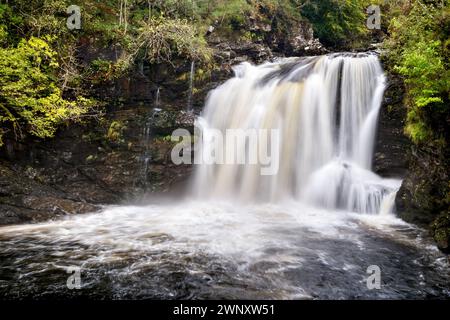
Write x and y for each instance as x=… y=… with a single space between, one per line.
x=164 y=122
x=440 y=229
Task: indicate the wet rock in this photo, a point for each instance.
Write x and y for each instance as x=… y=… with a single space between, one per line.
x=423 y=198
x=392 y=145
x=302 y=42
x=84 y=167
x=237 y=52
x=23 y=198
x=424 y=194
x=440 y=230
x=164 y=122
x=210 y=30
x=57 y=206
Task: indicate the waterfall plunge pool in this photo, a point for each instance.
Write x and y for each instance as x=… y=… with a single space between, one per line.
x=216 y=250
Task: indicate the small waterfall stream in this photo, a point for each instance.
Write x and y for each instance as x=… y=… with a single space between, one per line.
x=308 y=232
x=191 y=88
x=146 y=141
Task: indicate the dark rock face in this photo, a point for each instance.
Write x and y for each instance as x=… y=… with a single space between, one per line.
x=301 y=42
x=424 y=196
x=440 y=229
x=23 y=198
x=280 y=37
x=84 y=167
x=282 y=34
x=392 y=145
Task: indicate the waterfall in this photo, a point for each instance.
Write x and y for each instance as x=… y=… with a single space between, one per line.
x=326 y=111
x=157 y=97
x=191 y=88
x=146 y=140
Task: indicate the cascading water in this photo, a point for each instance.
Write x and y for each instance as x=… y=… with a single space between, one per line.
x=326 y=110
x=191 y=88
x=308 y=238
x=146 y=139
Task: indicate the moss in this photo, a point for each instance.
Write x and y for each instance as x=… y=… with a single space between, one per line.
x=164 y=139
x=183 y=77
x=115 y=132
x=440 y=229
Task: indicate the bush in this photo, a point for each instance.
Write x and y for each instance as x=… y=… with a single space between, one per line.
x=162 y=39
x=30 y=98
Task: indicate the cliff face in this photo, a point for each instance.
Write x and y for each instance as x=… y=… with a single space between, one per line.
x=424 y=196
x=84 y=167
x=392 y=145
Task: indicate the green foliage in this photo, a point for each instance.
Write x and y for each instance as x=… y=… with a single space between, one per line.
x=8 y=22
x=426 y=80
x=38 y=71
x=337 y=22
x=418 y=52
x=101 y=71
x=423 y=68
x=3 y=35
x=231 y=12
x=115 y=132
x=205 y=11
x=29 y=96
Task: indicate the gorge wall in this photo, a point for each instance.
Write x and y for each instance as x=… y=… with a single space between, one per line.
x=424 y=195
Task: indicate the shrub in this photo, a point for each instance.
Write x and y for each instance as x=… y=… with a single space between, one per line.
x=162 y=39
x=29 y=96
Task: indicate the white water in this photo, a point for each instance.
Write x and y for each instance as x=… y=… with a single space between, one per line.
x=313 y=236
x=191 y=88
x=220 y=250
x=326 y=109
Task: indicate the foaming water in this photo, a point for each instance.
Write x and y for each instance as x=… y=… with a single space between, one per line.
x=219 y=250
